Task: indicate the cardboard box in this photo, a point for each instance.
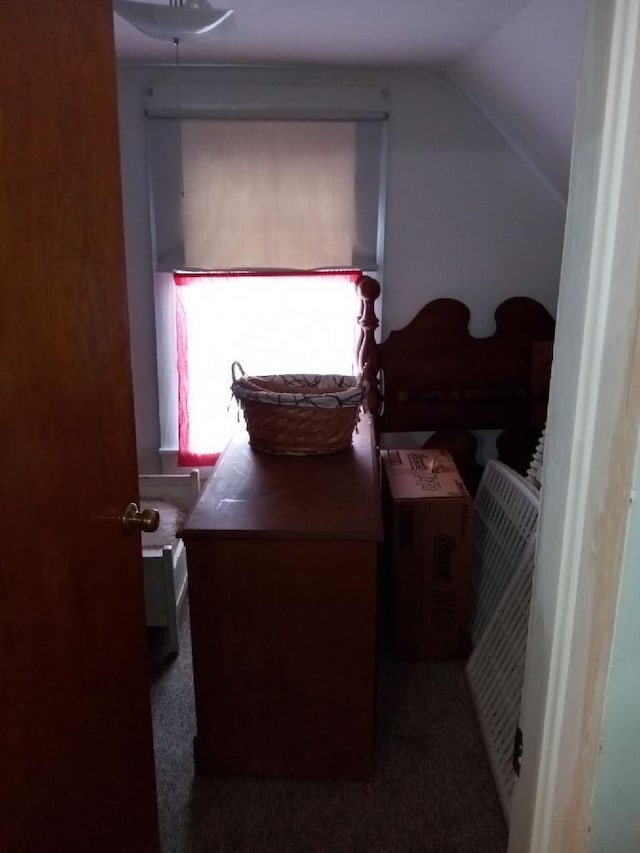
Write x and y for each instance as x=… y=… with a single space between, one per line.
x=428 y=554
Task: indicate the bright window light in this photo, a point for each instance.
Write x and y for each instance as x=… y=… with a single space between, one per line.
x=270 y=323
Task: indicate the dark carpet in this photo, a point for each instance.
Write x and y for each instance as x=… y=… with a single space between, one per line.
x=432 y=789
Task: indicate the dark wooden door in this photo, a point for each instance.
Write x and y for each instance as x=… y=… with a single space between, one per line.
x=76 y=754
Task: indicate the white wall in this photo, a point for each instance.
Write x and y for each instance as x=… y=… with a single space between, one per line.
x=615 y=827
x=524 y=77
x=467 y=216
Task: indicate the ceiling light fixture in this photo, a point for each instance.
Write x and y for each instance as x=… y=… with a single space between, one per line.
x=180 y=19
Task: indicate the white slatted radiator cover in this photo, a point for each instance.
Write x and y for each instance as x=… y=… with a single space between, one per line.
x=505 y=523
x=495 y=673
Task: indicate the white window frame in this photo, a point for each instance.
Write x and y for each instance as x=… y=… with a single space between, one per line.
x=251 y=101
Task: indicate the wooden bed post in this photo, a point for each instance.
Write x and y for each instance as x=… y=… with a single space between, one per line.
x=367 y=350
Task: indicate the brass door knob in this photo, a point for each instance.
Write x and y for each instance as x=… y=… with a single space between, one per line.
x=146 y=520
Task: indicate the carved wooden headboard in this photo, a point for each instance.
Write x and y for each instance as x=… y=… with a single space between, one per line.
x=432 y=375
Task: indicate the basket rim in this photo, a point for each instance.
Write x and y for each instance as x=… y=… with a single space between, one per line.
x=348 y=390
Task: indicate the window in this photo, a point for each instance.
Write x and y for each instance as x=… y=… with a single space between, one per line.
x=271 y=323
x=257 y=194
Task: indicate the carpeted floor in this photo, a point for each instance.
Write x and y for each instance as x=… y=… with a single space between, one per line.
x=432 y=789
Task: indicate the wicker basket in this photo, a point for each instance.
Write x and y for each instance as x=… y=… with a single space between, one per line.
x=298 y=414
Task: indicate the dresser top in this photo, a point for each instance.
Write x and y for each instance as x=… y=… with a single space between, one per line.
x=256 y=494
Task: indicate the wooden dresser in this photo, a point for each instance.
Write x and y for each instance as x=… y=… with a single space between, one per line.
x=282 y=556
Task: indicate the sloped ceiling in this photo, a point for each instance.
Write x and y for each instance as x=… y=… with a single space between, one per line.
x=525 y=76
x=518 y=60
x=402 y=33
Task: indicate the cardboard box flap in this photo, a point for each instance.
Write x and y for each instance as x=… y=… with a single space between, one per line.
x=419 y=473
